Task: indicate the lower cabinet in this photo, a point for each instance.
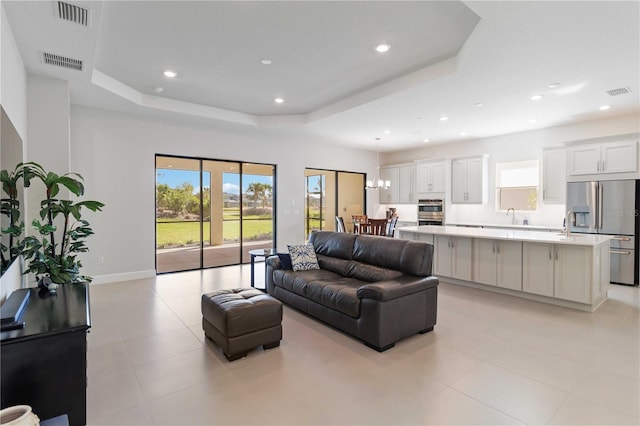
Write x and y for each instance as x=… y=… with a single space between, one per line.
x=498 y=263
x=560 y=271
x=537 y=268
x=453 y=257
x=572 y=277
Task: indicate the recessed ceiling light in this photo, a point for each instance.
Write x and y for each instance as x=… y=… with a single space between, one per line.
x=463 y=133
x=425 y=140
x=419 y=118
x=266 y=61
x=444 y=118
x=532 y=120
x=536 y=97
x=278 y=100
x=478 y=104
x=170 y=74
x=553 y=85
x=158 y=89
x=605 y=107
x=386 y=132
x=381 y=48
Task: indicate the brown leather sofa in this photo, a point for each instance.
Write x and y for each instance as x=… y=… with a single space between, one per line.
x=377 y=289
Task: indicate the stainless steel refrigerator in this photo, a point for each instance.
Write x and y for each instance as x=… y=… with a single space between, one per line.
x=611 y=208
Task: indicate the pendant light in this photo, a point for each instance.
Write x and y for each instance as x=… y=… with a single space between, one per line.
x=378 y=183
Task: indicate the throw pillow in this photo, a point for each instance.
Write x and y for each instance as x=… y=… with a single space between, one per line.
x=303 y=257
x=285 y=260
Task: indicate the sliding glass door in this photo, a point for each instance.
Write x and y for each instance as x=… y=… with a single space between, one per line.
x=329 y=194
x=211 y=212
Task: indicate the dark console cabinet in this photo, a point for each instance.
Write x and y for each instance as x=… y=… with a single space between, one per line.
x=44 y=364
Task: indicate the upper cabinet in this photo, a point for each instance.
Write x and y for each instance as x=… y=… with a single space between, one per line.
x=602 y=158
x=391 y=174
x=430 y=177
x=402 y=188
x=554 y=176
x=469 y=180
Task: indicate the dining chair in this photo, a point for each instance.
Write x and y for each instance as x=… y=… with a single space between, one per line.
x=376 y=226
x=357 y=220
x=391 y=226
x=340 y=224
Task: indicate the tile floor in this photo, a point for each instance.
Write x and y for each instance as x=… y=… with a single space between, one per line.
x=492 y=359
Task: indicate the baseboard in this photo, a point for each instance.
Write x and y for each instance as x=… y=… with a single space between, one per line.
x=125 y=276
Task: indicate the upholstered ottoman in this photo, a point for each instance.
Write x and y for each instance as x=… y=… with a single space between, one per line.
x=241 y=319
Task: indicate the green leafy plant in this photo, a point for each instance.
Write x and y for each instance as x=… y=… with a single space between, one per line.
x=45 y=257
x=10 y=207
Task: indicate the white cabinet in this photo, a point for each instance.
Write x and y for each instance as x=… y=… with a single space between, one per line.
x=391 y=195
x=498 y=263
x=402 y=189
x=602 y=158
x=430 y=177
x=406 y=181
x=554 y=176
x=537 y=268
x=560 y=271
x=572 y=276
x=469 y=180
x=453 y=257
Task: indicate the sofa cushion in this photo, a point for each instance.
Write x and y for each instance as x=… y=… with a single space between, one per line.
x=340 y=294
x=333 y=244
x=408 y=257
x=303 y=257
x=324 y=287
x=370 y=273
x=334 y=264
x=297 y=281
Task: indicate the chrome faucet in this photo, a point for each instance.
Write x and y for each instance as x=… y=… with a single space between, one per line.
x=513 y=219
x=569 y=220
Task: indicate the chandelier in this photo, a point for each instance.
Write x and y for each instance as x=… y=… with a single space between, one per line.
x=378 y=183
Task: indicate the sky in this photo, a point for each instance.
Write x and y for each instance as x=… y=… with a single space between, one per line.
x=174 y=178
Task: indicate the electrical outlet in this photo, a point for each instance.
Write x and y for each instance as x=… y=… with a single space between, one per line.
x=100 y=260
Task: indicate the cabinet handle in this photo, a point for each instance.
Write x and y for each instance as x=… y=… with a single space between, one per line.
x=598 y=165
x=626 y=252
x=498 y=247
x=603 y=168
x=556 y=255
x=549 y=253
x=493 y=248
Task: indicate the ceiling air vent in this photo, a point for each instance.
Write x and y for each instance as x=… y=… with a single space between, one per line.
x=71 y=12
x=620 y=91
x=61 y=61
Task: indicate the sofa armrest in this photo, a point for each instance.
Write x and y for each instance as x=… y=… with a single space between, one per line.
x=392 y=289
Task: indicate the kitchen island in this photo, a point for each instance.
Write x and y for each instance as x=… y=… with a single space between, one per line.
x=571 y=271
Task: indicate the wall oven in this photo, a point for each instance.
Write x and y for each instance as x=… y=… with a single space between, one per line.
x=431 y=212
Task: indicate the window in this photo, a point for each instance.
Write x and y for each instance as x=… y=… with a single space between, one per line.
x=517 y=185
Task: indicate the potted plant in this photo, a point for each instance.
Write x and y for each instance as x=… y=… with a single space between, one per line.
x=46 y=258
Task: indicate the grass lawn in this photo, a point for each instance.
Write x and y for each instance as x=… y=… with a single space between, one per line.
x=174 y=233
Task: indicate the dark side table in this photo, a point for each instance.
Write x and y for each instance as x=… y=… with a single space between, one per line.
x=259 y=253
x=44 y=364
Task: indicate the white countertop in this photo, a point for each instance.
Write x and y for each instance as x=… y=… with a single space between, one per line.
x=510 y=234
x=498 y=225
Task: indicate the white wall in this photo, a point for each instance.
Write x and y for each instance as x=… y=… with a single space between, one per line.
x=115 y=154
x=13 y=78
x=515 y=147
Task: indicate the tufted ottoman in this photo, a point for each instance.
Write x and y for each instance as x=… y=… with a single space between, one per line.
x=241 y=319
